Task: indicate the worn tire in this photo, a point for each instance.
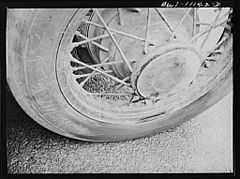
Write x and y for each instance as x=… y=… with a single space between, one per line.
x=32 y=42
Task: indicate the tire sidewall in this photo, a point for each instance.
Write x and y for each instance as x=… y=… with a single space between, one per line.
x=32 y=45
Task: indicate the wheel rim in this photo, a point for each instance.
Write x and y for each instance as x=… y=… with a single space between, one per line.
x=95 y=95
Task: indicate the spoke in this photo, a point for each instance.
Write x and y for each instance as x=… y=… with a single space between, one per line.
x=105 y=64
x=194 y=20
x=90 y=74
x=119 y=32
x=75 y=44
x=94 y=72
x=100 y=71
x=205 y=56
x=90 y=39
x=210 y=59
x=140 y=99
x=131 y=99
x=202 y=23
x=121 y=85
x=114 y=41
x=206 y=59
x=164 y=20
x=217 y=51
x=146 y=32
x=211 y=28
x=120 y=16
x=205 y=31
x=180 y=23
x=208 y=24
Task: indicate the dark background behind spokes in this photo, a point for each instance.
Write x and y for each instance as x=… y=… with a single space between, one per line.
x=203 y=144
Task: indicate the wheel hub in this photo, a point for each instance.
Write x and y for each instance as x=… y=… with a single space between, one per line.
x=134 y=23
x=111 y=90
x=168 y=69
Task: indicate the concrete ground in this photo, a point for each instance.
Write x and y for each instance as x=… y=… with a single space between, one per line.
x=203 y=144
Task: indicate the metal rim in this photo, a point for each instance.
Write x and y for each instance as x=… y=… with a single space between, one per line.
x=136 y=107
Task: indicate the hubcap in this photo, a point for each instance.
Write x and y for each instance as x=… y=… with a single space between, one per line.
x=167 y=70
x=138 y=68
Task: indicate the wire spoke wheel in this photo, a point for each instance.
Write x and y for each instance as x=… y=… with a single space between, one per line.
x=126 y=72
x=143 y=60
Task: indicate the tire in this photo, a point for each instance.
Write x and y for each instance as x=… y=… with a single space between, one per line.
x=32 y=43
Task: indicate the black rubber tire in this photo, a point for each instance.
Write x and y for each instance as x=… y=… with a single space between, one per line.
x=32 y=41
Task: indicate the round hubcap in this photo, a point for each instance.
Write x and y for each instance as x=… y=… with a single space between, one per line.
x=167 y=70
x=129 y=78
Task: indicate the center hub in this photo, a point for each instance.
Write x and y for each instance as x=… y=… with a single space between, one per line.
x=168 y=69
x=135 y=23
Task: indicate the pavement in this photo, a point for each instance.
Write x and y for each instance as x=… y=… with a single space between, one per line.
x=204 y=144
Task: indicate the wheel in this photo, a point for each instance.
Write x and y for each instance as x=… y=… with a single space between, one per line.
x=117 y=74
